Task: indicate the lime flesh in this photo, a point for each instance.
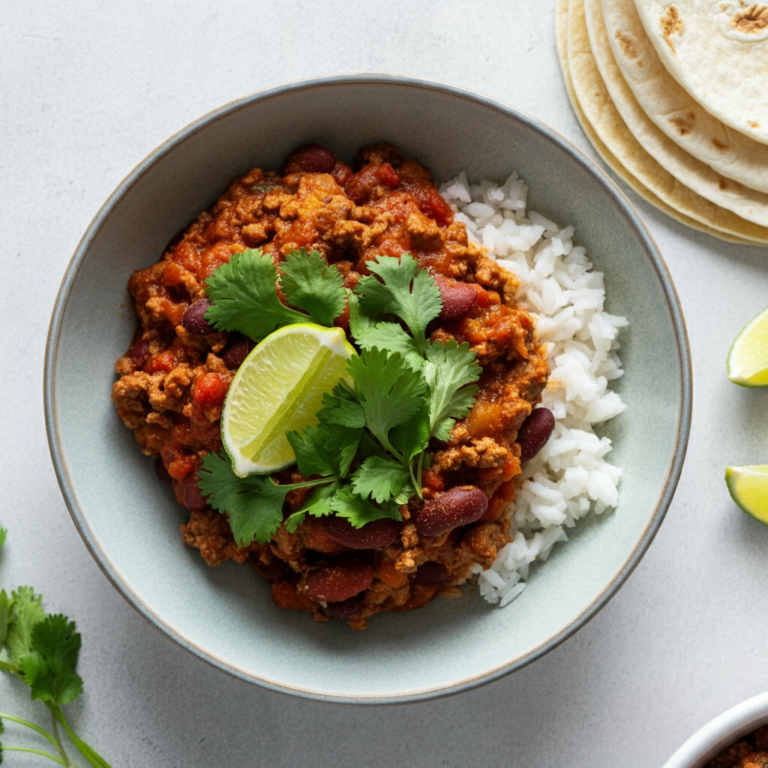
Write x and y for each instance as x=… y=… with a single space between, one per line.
x=279 y=388
x=748 y=487
x=748 y=357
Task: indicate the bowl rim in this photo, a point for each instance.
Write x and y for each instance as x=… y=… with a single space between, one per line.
x=633 y=219
x=720 y=732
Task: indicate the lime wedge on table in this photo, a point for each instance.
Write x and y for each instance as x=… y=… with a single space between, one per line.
x=748 y=357
x=279 y=388
x=749 y=488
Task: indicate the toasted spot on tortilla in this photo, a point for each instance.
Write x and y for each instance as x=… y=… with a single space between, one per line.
x=671 y=24
x=627 y=46
x=753 y=124
x=751 y=20
x=718 y=145
x=681 y=125
x=723 y=184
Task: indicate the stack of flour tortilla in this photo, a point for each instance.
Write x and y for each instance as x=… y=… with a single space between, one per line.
x=674 y=96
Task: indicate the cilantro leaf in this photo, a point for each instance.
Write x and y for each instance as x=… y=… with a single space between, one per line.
x=381 y=479
x=317 y=504
x=342 y=408
x=411 y=437
x=254 y=503
x=369 y=447
x=245 y=297
x=358 y=511
x=404 y=290
x=5 y=616
x=392 y=338
x=450 y=372
x=49 y=670
x=389 y=390
x=3 y=534
x=26 y=612
x=328 y=449
x=343 y=443
x=315 y=286
x=312 y=457
x=360 y=321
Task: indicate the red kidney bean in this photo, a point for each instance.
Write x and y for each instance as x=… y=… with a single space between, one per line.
x=162 y=472
x=236 y=351
x=431 y=574
x=459 y=506
x=194 y=318
x=189 y=495
x=275 y=570
x=535 y=432
x=139 y=352
x=459 y=299
x=338 y=580
x=379 y=533
x=347 y=608
x=309 y=158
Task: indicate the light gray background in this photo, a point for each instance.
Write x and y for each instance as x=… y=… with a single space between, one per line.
x=89 y=89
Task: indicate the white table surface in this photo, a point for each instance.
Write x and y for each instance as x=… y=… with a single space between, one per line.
x=87 y=90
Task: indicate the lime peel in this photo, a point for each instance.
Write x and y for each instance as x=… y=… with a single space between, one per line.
x=748 y=487
x=747 y=363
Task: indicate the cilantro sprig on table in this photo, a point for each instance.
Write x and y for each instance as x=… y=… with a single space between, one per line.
x=366 y=455
x=42 y=649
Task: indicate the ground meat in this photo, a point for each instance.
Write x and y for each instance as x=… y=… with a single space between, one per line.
x=750 y=751
x=172 y=382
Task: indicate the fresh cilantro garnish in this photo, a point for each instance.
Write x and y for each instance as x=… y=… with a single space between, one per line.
x=3 y=533
x=367 y=452
x=404 y=291
x=381 y=479
x=244 y=296
x=42 y=649
x=358 y=511
x=450 y=371
x=389 y=391
x=254 y=503
x=311 y=284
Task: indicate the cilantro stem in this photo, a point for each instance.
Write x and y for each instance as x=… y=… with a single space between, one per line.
x=10 y=668
x=416 y=478
x=90 y=754
x=27 y=724
x=36 y=752
x=325 y=480
x=59 y=744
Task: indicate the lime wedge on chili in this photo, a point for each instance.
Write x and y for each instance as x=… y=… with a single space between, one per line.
x=748 y=487
x=748 y=357
x=279 y=388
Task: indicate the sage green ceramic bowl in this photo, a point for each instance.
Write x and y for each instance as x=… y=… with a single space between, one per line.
x=130 y=521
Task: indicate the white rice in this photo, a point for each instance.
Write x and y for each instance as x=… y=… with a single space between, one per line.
x=569 y=477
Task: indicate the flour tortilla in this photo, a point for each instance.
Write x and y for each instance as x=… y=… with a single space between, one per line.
x=672 y=108
x=731 y=195
x=718 y=51
x=561 y=24
x=599 y=110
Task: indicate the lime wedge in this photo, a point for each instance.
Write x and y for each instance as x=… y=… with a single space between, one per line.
x=279 y=388
x=748 y=487
x=748 y=357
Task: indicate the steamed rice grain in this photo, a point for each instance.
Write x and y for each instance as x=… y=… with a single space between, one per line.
x=570 y=476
